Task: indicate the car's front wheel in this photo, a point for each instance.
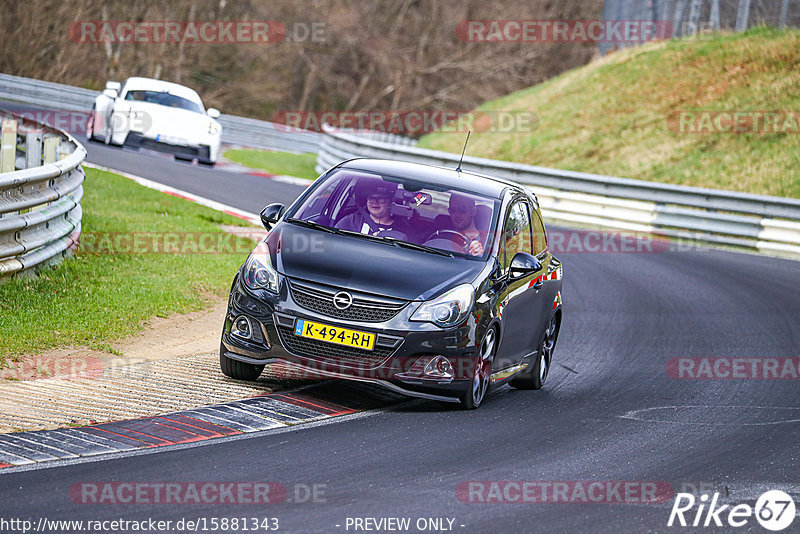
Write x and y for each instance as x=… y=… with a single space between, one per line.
x=474 y=396
x=236 y=369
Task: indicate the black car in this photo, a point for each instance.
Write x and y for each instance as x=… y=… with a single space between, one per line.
x=432 y=282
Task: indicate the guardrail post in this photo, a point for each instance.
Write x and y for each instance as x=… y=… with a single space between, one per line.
x=33 y=150
x=51 y=143
x=8 y=145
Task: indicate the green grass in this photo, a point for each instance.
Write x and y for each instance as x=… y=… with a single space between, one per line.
x=95 y=298
x=611 y=116
x=286 y=163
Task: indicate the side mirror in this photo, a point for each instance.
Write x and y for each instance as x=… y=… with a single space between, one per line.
x=271 y=215
x=213 y=113
x=110 y=93
x=524 y=264
x=114 y=86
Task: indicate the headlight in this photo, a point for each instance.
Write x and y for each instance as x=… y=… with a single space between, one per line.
x=258 y=271
x=212 y=128
x=448 y=310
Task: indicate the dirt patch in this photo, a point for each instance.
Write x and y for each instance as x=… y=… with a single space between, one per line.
x=176 y=336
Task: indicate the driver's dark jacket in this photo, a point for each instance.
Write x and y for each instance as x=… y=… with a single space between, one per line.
x=362 y=223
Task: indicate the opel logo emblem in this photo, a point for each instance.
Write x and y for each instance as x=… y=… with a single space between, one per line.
x=342 y=300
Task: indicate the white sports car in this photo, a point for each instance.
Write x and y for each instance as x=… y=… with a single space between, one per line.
x=158 y=115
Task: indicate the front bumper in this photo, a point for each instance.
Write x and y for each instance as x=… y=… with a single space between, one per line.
x=397 y=362
x=170 y=146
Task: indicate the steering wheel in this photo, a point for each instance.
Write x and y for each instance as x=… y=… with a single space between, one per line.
x=456 y=237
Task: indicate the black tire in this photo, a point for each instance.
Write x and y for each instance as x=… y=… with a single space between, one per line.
x=535 y=376
x=185 y=159
x=236 y=369
x=206 y=162
x=474 y=396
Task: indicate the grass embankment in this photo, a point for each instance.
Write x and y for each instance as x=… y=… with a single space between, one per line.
x=619 y=115
x=285 y=163
x=96 y=296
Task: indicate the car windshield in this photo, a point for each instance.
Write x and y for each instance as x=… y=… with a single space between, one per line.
x=163 y=98
x=402 y=211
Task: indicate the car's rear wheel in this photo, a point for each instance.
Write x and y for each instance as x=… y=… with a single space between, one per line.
x=535 y=376
x=474 y=396
x=236 y=369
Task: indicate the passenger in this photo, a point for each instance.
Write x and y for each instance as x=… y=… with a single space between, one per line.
x=377 y=218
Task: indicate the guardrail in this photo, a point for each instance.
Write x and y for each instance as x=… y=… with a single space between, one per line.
x=40 y=192
x=235 y=130
x=767 y=224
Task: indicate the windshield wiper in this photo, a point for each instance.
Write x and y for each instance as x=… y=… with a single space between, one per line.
x=399 y=243
x=423 y=248
x=315 y=225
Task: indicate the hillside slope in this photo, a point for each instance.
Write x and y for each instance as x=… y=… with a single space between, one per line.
x=621 y=115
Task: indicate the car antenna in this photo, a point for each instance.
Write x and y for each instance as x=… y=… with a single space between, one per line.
x=458 y=169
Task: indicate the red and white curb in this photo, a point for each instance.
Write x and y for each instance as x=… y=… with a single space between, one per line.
x=230 y=166
x=257 y=414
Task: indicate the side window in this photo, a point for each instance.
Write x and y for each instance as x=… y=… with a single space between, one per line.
x=516 y=232
x=539 y=234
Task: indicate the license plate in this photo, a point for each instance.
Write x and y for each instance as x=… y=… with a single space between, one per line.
x=333 y=334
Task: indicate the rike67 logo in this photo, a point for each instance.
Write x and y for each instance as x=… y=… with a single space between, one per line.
x=774 y=510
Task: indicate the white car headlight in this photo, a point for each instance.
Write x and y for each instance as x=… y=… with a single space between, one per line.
x=258 y=271
x=450 y=309
x=213 y=128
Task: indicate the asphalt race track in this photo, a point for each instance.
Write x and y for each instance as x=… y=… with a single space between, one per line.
x=610 y=412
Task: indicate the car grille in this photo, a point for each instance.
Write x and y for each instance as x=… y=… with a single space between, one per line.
x=334 y=354
x=364 y=309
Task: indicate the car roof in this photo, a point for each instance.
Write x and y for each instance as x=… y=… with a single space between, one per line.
x=150 y=84
x=444 y=176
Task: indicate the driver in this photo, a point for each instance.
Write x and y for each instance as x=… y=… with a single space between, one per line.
x=462 y=211
x=377 y=218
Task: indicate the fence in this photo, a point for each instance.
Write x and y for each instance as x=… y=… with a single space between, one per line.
x=756 y=222
x=40 y=192
x=235 y=130
x=692 y=17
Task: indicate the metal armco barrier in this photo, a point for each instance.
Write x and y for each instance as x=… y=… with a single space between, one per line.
x=757 y=222
x=235 y=130
x=40 y=192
